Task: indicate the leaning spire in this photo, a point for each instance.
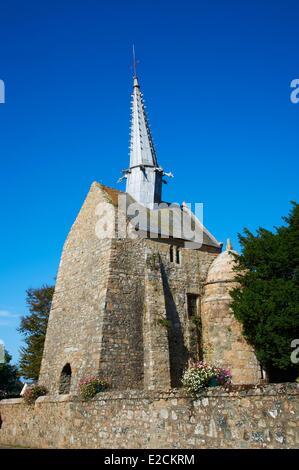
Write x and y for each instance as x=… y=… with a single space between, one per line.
x=144 y=176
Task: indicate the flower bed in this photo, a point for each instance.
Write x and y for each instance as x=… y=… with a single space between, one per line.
x=202 y=375
x=90 y=386
x=32 y=393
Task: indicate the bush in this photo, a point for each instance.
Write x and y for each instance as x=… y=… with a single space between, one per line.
x=33 y=392
x=201 y=375
x=90 y=386
x=10 y=384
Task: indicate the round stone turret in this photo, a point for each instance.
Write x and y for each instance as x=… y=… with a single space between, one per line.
x=223 y=342
x=222 y=268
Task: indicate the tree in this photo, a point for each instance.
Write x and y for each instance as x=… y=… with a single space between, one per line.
x=10 y=385
x=267 y=301
x=33 y=327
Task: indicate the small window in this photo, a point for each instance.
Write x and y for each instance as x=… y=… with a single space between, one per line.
x=65 y=380
x=192 y=305
x=195 y=327
x=171 y=254
x=178 y=256
x=175 y=254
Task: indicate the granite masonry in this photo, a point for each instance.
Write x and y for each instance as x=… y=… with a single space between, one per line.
x=257 y=417
x=136 y=310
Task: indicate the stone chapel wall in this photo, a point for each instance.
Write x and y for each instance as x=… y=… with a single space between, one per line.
x=75 y=324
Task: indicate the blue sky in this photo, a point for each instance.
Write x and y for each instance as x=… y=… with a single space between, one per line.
x=216 y=78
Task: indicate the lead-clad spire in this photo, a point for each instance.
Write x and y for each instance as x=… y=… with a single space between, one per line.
x=142 y=149
x=144 y=177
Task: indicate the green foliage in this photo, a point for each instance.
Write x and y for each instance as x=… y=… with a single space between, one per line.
x=33 y=327
x=32 y=393
x=90 y=386
x=10 y=385
x=267 y=301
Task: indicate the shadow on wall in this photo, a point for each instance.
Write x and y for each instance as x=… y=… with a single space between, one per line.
x=178 y=353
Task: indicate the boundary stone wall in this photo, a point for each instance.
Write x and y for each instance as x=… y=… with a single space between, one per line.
x=264 y=416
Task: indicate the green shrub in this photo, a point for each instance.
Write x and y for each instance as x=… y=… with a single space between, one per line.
x=33 y=392
x=90 y=386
